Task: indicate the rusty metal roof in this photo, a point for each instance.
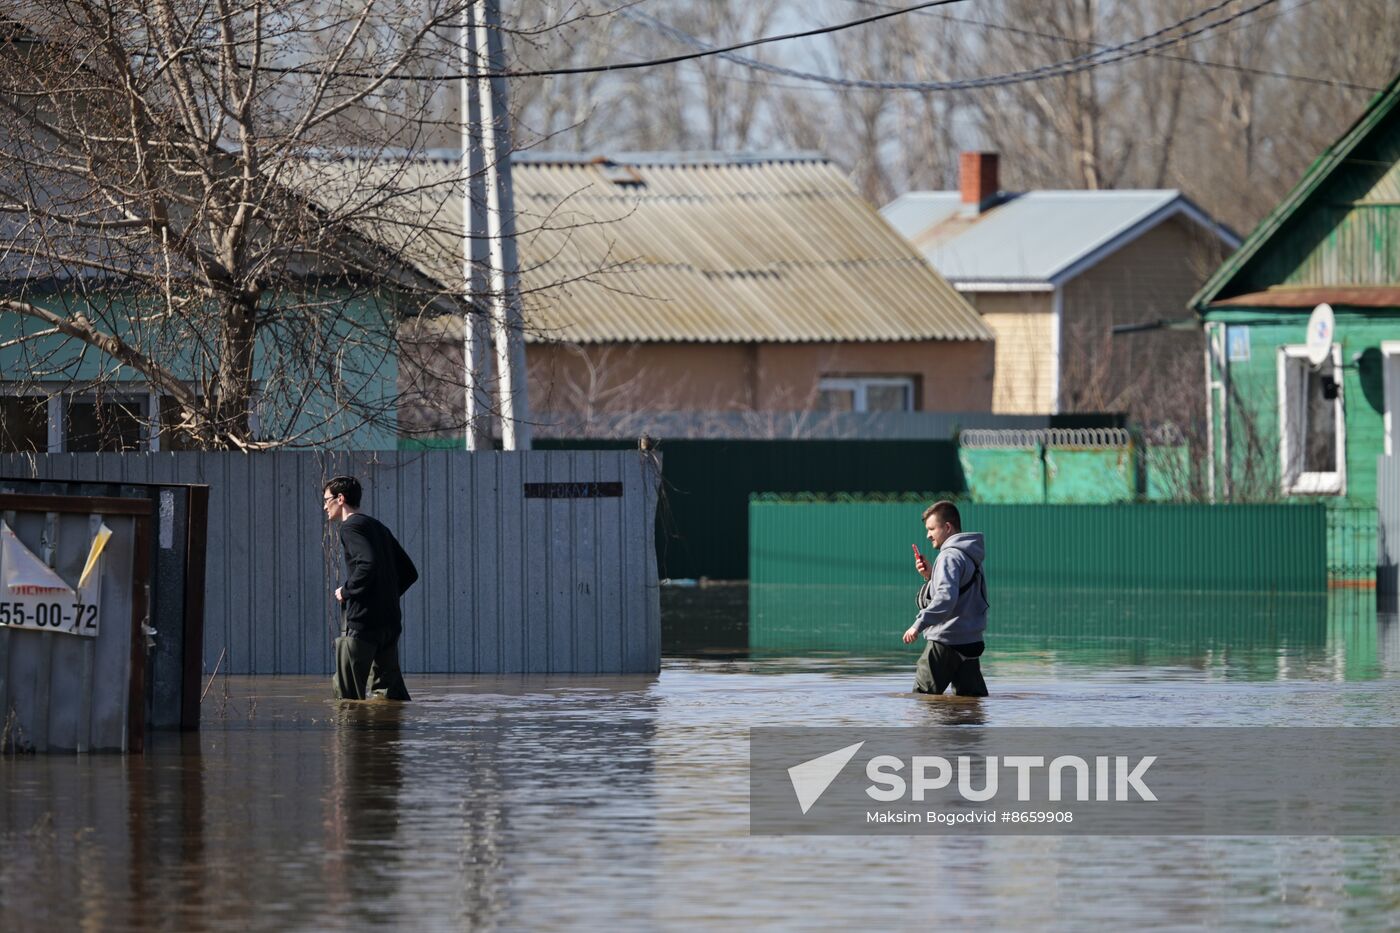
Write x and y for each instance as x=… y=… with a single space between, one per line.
x=1308 y=297
x=675 y=248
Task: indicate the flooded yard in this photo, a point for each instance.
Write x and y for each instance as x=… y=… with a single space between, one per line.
x=550 y=802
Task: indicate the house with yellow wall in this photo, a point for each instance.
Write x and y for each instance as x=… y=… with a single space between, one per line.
x=1053 y=272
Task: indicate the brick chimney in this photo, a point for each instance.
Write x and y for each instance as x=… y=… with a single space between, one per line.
x=977 y=177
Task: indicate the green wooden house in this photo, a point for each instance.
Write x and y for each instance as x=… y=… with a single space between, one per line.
x=1281 y=425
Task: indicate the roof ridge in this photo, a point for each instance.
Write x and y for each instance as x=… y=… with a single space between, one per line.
x=1077 y=192
x=1046 y=235
x=1317 y=174
x=663 y=158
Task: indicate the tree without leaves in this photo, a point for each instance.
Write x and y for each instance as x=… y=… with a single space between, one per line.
x=164 y=203
x=1215 y=115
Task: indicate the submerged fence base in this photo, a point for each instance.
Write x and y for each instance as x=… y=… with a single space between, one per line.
x=537 y=561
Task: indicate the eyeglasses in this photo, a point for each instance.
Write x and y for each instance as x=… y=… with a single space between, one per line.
x=325 y=499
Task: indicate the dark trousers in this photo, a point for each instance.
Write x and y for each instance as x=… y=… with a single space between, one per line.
x=941 y=665
x=367 y=663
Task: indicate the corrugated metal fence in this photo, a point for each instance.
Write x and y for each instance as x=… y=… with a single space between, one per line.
x=561 y=580
x=845 y=566
x=1239 y=548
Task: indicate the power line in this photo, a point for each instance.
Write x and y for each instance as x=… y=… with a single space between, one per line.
x=1205 y=63
x=1070 y=66
x=705 y=52
x=1105 y=56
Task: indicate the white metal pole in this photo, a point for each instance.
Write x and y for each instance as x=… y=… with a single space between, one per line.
x=1227 y=470
x=1210 y=411
x=1057 y=338
x=476 y=359
x=504 y=269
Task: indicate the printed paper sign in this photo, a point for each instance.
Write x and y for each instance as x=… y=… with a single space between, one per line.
x=33 y=595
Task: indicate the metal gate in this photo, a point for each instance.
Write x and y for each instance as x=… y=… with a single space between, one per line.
x=76 y=571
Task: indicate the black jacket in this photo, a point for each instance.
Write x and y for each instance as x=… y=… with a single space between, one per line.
x=378 y=573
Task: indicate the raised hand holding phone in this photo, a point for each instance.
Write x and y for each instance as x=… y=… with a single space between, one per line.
x=920 y=564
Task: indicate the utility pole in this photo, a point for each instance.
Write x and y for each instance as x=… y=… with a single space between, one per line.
x=502 y=265
x=476 y=332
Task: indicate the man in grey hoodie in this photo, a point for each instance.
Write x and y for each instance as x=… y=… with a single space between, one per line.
x=952 y=606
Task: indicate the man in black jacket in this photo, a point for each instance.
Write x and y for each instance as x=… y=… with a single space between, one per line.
x=378 y=572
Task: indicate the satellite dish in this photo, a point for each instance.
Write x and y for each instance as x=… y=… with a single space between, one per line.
x=1321 y=329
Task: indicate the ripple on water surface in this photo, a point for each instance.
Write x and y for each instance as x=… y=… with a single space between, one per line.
x=568 y=802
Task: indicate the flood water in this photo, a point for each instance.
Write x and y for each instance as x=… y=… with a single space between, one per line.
x=622 y=803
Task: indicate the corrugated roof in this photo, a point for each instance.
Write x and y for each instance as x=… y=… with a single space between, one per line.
x=1038 y=236
x=741 y=249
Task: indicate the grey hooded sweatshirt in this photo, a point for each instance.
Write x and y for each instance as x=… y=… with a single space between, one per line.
x=944 y=615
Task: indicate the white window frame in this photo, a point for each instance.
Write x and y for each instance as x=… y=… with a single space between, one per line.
x=1390 y=371
x=857 y=386
x=1299 y=482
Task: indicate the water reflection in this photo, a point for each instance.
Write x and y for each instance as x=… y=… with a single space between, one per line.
x=361 y=817
x=584 y=803
x=951 y=710
x=290 y=811
x=1259 y=636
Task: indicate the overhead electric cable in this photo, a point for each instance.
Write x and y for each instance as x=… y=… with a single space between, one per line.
x=1105 y=56
x=707 y=51
x=617 y=66
x=1202 y=62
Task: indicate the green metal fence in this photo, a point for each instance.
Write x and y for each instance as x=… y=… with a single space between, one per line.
x=1087 y=466
x=1240 y=548
x=1351 y=546
x=831 y=571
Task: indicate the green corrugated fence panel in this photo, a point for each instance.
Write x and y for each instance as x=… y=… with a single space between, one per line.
x=1244 y=548
x=1089 y=475
x=1003 y=474
x=831 y=571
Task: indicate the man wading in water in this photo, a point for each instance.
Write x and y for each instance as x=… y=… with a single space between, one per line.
x=952 y=607
x=378 y=573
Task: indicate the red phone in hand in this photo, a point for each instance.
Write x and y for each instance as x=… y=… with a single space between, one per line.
x=917 y=555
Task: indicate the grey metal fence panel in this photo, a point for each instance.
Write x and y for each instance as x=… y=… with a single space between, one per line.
x=508 y=584
x=1388 y=534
